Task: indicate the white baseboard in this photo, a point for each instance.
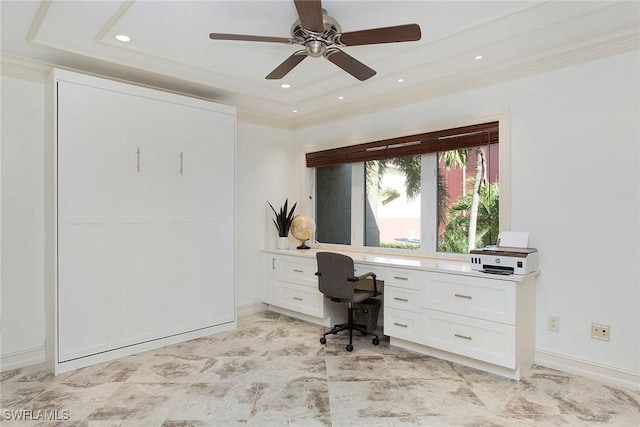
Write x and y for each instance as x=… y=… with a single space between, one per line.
x=603 y=373
x=251 y=308
x=20 y=359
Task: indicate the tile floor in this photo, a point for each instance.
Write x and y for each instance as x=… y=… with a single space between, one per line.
x=272 y=371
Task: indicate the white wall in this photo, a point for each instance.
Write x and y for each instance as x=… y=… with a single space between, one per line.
x=22 y=290
x=575 y=186
x=265 y=164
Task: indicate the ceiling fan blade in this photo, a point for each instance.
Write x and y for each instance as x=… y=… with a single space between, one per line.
x=399 y=33
x=288 y=65
x=310 y=14
x=248 y=38
x=349 y=64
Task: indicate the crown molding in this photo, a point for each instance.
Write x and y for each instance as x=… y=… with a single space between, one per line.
x=13 y=66
x=248 y=115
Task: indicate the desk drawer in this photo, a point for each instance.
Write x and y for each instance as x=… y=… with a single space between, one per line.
x=402 y=324
x=480 y=339
x=299 y=271
x=471 y=296
x=402 y=298
x=300 y=298
x=404 y=278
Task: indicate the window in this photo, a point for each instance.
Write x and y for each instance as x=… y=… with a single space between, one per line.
x=429 y=194
x=333 y=204
x=468 y=198
x=392 y=203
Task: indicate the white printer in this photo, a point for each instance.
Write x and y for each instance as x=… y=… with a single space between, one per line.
x=504 y=260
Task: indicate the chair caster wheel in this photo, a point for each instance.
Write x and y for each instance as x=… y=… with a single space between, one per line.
x=349 y=347
x=323 y=340
x=375 y=341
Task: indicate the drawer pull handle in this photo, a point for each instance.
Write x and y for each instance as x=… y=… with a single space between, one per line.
x=297 y=271
x=297 y=298
x=400 y=278
x=463 y=337
x=401 y=299
x=402 y=325
x=463 y=296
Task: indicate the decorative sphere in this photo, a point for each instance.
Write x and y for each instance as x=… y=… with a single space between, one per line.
x=302 y=227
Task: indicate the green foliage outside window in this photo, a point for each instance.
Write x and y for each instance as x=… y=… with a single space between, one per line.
x=454 y=238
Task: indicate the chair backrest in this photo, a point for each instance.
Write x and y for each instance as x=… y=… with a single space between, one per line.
x=333 y=271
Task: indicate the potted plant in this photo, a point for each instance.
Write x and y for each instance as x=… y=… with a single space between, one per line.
x=282 y=221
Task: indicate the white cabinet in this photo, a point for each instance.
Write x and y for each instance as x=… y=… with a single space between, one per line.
x=143 y=244
x=486 y=323
x=440 y=309
x=292 y=288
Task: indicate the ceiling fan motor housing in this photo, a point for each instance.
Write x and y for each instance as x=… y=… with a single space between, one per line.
x=316 y=44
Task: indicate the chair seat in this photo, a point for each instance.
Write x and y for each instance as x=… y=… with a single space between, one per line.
x=359 y=296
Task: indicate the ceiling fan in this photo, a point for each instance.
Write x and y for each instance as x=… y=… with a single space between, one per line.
x=321 y=35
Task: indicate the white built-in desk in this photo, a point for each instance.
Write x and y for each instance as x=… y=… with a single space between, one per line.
x=432 y=306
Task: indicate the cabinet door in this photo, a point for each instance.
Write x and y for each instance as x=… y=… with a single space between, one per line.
x=271 y=264
x=491 y=342
x=143 y=272
x=210 y=157
x=488 y=299
x=86 y=251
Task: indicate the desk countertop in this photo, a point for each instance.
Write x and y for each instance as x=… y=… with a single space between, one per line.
x=408 y=262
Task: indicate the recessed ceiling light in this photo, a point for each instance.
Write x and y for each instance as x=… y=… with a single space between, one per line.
x=478 y=56
x=285 y=85
x=400 y=80
x=295 y=111
x=341 y=97
x=123 y=38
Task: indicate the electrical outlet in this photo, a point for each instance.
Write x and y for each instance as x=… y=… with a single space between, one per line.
x=600 y=332
x=553 y=323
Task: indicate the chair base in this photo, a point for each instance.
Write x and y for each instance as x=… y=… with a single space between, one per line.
x=350 y=326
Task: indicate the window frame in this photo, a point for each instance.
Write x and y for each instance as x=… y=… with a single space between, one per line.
x=428 y=216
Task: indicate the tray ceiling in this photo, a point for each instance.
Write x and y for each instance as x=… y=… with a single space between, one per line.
x=170 y=48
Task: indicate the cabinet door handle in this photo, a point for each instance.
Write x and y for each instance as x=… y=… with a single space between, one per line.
x=401 y=299
x=273 y=263
x=181 y=160
x=463 y=296
x=297 y=298
x=298 y=271
x=402 y=325
x=138 y=160
x=400 y=278
x=465 y=337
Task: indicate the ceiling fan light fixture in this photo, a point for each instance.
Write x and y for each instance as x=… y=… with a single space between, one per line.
x=315 y=48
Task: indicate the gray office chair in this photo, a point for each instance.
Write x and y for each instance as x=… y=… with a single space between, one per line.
x=337 y=281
